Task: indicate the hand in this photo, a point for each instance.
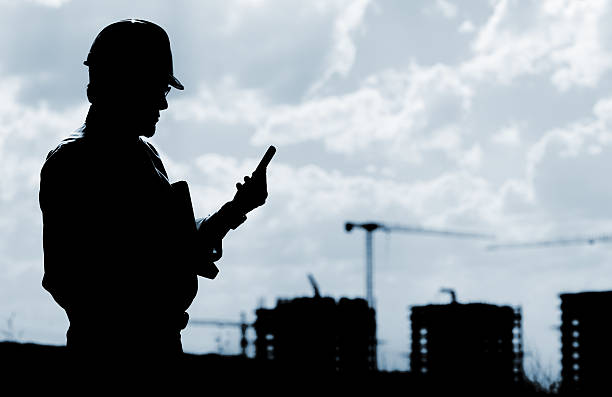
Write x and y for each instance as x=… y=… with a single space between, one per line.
x=252 y=193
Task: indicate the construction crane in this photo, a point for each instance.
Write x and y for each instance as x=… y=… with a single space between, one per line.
x=242 y=324
x=372 y=227
x=553 y=243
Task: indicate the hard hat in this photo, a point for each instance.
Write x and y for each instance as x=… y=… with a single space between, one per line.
x=133 y=48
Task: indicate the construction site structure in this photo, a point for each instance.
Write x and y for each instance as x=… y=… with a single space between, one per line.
x=242 y=325
x=473 y=342
x=318 y=334
x=586 y=342
x=560 y=242
x=371 y=227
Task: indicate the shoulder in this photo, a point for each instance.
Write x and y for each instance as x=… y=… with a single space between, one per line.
x=72 y=145
x=70 y=153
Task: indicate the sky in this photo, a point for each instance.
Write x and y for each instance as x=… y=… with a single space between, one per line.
x=484 y=116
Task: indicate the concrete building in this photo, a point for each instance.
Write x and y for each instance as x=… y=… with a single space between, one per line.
x=317 y=335
x=586 y=339
x=467 y=342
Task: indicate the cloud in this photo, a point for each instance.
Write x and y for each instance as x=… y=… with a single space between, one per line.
x=574 y=138
x=26 y=134
x=391 y=107
x=310 y=193
x=223 y=103
x=236 y=12
x=466 y=27
x=585 y=137
x=447 y=9
x=559 y=187
x=340 y=59
x=50 y=3
x=563 y=38
x=507 y=136
x=472 y=158
x=45 y=3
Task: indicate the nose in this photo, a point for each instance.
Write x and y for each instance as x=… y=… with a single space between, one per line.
x=163 y=104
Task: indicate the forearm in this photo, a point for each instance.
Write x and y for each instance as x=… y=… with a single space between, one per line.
x=216 y=226
x=212 y=230
x=209 y=237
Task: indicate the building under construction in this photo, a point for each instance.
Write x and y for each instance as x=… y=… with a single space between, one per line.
x=586 y=338
x=317 y=335
x=473 y=342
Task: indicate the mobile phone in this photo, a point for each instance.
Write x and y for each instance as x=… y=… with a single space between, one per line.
x=265 y=160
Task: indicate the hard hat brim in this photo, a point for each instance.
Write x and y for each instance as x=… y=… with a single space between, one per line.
x=173 y=81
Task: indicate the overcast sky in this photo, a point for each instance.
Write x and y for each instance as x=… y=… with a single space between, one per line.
x=486 y=116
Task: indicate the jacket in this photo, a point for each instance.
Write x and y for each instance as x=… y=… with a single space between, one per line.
x=122 y=250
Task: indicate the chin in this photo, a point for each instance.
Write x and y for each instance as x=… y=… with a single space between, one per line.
x=148 y=132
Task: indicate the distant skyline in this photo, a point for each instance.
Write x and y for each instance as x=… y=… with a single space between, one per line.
x=483 y=116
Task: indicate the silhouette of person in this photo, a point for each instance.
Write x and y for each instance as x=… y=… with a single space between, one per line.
x=122 y=249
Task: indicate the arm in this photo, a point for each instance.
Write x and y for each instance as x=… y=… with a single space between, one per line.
x=211 y=230
x=216 y=226
x=63 y=275
x=204 y=237
x=79 y=235
x=250 y=195
x=207 y=240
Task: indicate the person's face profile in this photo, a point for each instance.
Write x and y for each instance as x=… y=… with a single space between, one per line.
x=142 y=105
